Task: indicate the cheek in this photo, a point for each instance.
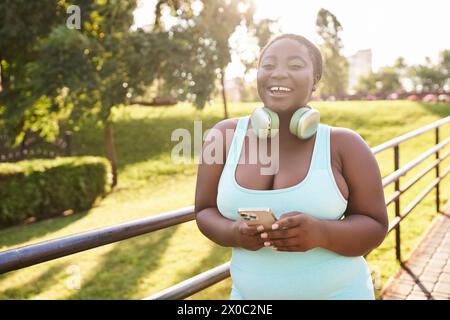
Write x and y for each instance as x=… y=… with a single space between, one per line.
x=260 y=82
x=304 y=81
x=261 y=76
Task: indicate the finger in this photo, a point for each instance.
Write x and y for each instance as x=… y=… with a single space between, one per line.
x=289 y=249
x=257 y=239
x=288 y=214
x=248 y=230
x=281 y=234
x=284 y=242
x=267 y=244
x=254 y=243
x=260 y=228
x=291 y=221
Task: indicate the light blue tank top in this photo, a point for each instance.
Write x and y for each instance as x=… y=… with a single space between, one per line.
x=317 y=195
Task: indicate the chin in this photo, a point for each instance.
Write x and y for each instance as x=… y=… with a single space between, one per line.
x=279 y=106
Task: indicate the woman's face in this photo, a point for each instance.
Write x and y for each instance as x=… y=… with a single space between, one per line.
x=287 y=64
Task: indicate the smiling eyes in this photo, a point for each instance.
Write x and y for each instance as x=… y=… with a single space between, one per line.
x=271 y=66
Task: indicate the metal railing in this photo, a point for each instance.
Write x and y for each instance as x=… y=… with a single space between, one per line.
x=18 y=258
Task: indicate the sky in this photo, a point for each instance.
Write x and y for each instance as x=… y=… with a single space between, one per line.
x=413 y=29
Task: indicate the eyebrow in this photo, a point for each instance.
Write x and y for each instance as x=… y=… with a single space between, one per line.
x=289 y=58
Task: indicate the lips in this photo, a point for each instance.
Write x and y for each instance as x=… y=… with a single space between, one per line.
x=278 y=90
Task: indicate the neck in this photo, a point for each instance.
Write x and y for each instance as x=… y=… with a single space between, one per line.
x=285 y=120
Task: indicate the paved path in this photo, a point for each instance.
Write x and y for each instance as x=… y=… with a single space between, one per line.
x=426 y=273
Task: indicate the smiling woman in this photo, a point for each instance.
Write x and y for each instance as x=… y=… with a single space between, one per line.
x=326 y=191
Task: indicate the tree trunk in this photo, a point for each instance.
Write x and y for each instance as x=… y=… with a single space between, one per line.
x=224 y=96
x=111 y=151
x=3 y=79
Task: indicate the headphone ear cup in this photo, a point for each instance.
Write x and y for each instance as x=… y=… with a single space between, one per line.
x=265 y=122
x=274 y=121
x=294 y=124
x=304 y=123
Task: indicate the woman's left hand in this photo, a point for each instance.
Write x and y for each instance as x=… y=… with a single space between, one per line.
x=295 y=231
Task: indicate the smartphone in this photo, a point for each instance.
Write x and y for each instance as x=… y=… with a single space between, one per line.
x=258 y=216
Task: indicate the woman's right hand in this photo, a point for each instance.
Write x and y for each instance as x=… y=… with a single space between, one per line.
x=247 y=237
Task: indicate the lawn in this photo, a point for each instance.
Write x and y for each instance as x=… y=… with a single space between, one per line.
x=150 y=183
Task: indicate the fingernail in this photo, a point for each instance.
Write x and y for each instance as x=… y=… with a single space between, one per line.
x=275 y=226
x=260 y=228
x=264 y=235
x=266 y=243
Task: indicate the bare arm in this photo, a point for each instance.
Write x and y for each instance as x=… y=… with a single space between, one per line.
x=216 y=227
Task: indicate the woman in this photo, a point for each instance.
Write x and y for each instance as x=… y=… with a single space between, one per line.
x=326 y=194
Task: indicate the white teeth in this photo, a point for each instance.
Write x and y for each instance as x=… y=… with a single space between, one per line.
x=280 y=89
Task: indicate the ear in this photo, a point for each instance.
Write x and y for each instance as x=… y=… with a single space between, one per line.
x=316 y=81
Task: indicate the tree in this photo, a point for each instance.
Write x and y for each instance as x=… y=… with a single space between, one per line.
x=367 y=84
x=17 y=37
x=383 y=82
x=429 y=77
x=335 y=71
x=389 y=80
x=444 y=63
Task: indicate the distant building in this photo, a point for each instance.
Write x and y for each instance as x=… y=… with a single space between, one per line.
x=359 y=64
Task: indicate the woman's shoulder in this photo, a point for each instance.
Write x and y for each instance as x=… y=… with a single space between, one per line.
x=226 y=124
x=221 y=131
x=345 y=137
x=348 y=144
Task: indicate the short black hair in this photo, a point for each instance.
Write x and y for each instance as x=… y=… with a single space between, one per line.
x=313 y=51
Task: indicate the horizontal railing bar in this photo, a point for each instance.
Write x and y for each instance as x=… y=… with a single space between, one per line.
x=48 y=250
x=394 y=196
x=193 y=285
x=394 y=176
x=411 y=182
x=416 y=178
x=412 y=205
x=396 y=141
x=394 y=223
x=422 y=195
x=416 y=201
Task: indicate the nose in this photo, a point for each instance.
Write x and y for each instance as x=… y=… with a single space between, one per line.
x=279 y=73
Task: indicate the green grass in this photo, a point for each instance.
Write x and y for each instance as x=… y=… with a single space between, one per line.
x=149 y=183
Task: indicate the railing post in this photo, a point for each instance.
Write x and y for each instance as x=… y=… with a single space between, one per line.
x=397 y=205
x=437 y=171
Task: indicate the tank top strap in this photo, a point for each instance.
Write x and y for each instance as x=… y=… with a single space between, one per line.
x=321 y=148
x=237 y=141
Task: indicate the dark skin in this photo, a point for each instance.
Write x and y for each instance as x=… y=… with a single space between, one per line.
x=288 y=63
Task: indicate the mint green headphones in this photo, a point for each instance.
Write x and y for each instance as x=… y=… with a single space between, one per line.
x=304 y=122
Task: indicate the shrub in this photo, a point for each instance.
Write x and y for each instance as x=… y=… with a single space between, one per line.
x=43 y=188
